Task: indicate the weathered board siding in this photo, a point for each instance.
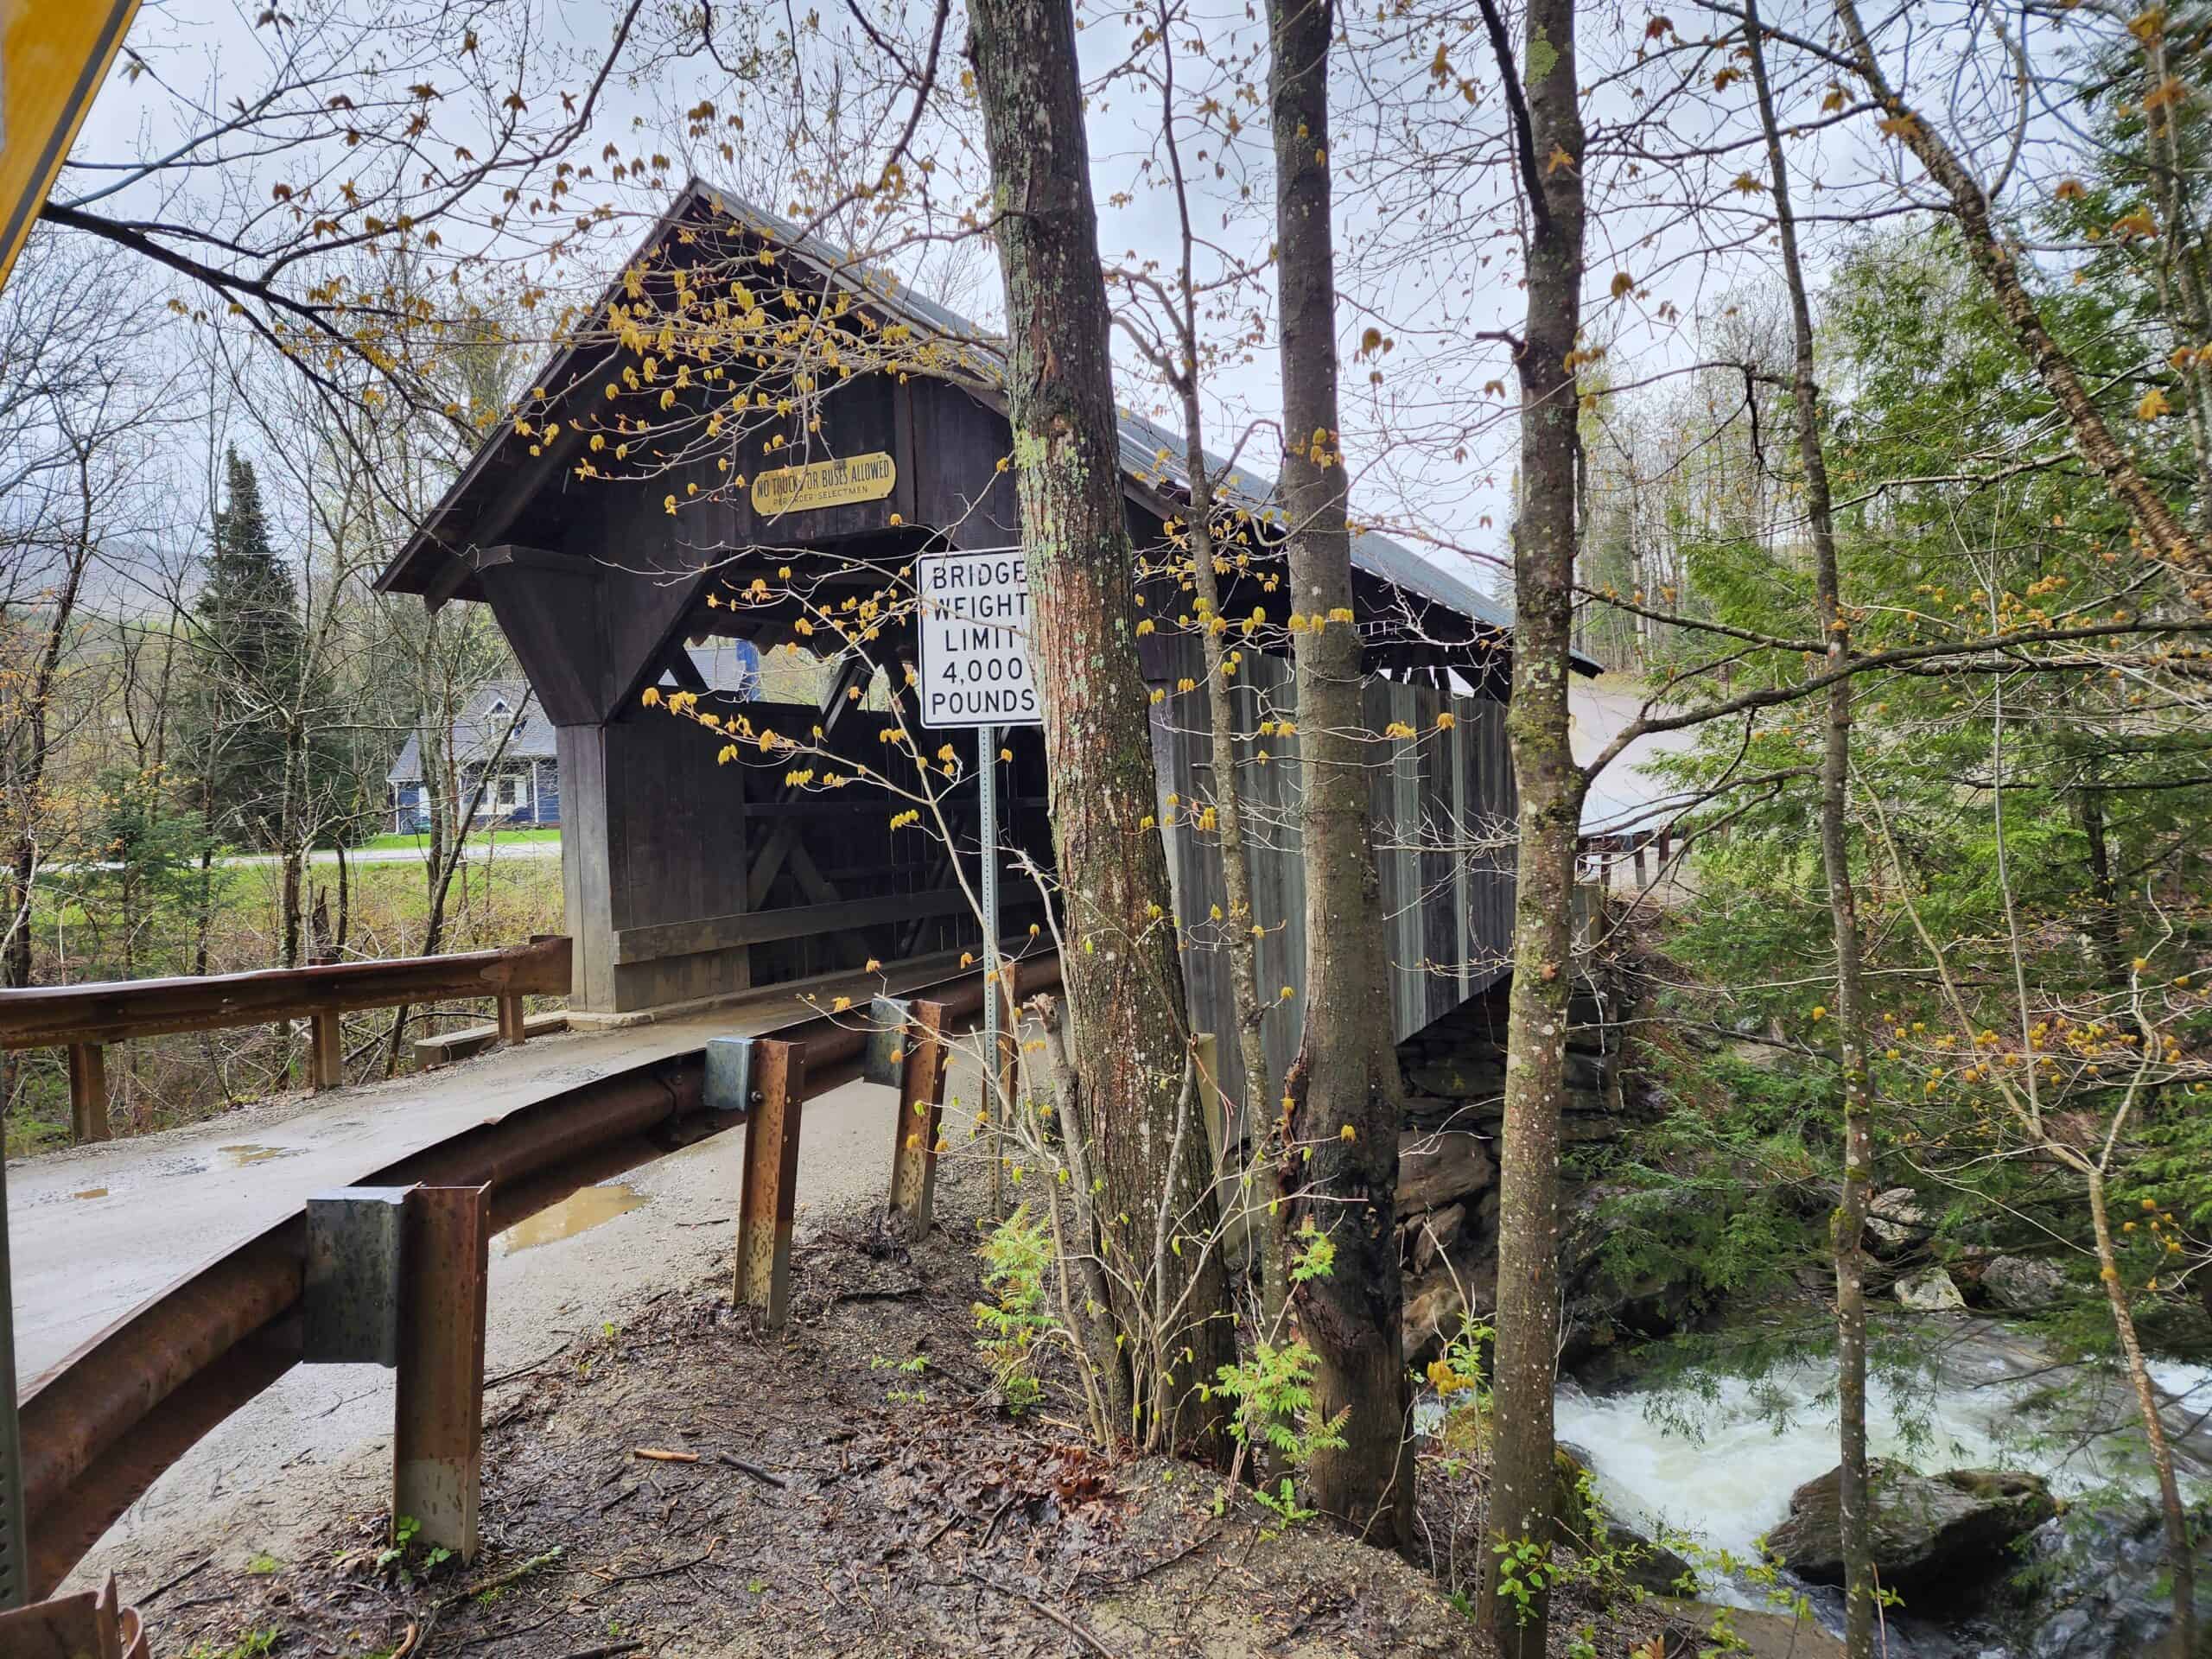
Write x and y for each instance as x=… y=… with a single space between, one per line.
x=1443 y=805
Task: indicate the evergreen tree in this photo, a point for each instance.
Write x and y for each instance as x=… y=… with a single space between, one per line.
x=252 y=653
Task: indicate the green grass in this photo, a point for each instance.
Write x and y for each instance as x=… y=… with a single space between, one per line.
x=419 y=843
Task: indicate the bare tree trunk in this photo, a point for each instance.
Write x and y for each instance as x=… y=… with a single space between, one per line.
x=1256 y=1116
x=447 y=854
x=2104 y=923
x=2181 y=1558
x=1124 y=976
x=1848 y=1225
x=345 y=903
x=1344 y=1090
x=2181 y=251
x=1549 y=144
x=292 y=897
x=1255 y=1119
x=203 y=923
x=294 y=853
x=1109 y=1372
x=28 y=781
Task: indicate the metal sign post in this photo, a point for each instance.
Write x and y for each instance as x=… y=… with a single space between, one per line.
x=976 y=673
x=986 y=780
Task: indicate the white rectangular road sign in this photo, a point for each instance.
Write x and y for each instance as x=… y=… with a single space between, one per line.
x=975 y=625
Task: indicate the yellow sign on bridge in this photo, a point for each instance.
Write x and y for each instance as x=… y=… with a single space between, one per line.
x=54 y=54
x=825 y=484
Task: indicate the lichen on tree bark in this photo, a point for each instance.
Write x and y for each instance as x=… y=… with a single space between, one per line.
x=1157 y=1214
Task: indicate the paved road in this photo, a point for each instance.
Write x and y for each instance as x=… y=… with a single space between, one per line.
x=477 y=851
x=97 y=1230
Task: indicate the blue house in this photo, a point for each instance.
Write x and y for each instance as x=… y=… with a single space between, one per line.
x=524 y=785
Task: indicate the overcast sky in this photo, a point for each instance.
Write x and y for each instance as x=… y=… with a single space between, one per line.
x=1427 y=232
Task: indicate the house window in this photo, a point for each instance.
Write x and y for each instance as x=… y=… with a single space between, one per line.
x=510 y=790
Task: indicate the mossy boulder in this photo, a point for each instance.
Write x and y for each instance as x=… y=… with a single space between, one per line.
x=1936 y=1538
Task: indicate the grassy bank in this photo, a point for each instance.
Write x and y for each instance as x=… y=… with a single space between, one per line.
x=483 y=840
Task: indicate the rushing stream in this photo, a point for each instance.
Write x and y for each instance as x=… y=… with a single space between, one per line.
x=1718 y=1464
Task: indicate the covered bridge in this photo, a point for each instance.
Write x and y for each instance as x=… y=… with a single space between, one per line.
x=752 y=436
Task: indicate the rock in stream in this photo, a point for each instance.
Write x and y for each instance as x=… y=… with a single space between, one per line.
x=1934 y=1536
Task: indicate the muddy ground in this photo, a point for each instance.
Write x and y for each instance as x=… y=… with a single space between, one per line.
x=850 y=1485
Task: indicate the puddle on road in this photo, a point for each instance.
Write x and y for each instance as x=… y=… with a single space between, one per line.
x=91 y=1192
x=582 y=1209
x=242 y=1157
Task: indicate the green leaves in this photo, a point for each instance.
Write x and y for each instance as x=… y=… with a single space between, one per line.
x=1273 y=1392
x=1312 y=1257
x=1017 y=1255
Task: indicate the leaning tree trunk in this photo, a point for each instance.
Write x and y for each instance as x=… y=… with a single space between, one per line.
x=1995 y=257
x=1551 y=789
x=2180 y=1556
x=1159 y=1220
x=1849 y=1224
x=1343 y=1088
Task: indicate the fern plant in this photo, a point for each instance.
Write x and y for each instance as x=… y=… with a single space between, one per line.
x=1017 y=1253
x=1272 y=1392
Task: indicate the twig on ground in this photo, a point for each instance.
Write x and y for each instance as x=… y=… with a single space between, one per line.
x=992 y=1531
x=1060 y=1619
x=611 y=1580
x=499 y=1581
x=895 y=1292
x=624 y=1496
x=509 y=1376
x=659 y=1455
x=730 y=1459
x=1150 y=1567
x=160 y=1590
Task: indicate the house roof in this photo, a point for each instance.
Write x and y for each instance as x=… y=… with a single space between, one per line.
x=731 y=667
x=1152 y=454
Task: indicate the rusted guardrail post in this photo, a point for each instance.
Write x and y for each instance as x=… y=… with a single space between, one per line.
x=87 y=1092
x=326 y=1051
x=921 y=1105
x=90 y=1624
x=512 y=1029
x=771 y=1179
x=437 y=1447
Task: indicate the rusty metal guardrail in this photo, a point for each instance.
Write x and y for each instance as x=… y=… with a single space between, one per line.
x=102 y=1426
x=84 y=1017
x=92 y=1624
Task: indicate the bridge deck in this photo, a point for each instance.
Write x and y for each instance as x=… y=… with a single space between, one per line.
x=97 y=1232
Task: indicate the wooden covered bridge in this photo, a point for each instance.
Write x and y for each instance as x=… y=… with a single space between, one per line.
x=753 y=436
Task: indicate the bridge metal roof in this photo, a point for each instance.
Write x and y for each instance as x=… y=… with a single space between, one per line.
x=1152 y=456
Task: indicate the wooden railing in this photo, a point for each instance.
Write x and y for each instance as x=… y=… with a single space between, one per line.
x=83 y=1018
